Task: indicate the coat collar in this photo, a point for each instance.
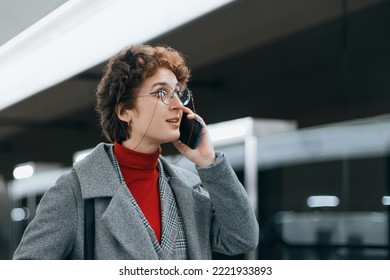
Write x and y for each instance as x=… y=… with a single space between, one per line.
x=98 y=177
x=96 y=173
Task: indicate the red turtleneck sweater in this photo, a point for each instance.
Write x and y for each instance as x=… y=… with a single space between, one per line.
x=141 y=176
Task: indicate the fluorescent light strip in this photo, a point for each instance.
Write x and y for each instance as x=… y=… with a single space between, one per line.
x=323 y=201
x=386 y=200
x=24 y=171
x=82 y=34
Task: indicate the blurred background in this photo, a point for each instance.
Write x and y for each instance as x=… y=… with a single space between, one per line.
x=297 y=94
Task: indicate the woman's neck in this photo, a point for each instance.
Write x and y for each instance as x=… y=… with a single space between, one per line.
x=142 y=147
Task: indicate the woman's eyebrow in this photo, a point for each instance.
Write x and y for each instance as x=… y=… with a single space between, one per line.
x=164 y=84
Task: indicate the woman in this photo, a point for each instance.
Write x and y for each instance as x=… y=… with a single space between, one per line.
x=145 y=207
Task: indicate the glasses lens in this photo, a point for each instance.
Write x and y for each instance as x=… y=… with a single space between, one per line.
x=185 y=96
x=167 y=96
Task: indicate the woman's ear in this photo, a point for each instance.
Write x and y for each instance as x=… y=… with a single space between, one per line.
x=122 y=113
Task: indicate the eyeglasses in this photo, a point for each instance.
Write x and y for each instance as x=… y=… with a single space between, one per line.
x=167 y=94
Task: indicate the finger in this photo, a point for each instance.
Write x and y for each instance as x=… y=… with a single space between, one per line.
x=187 y=110
x=199 y=118
x=192 y=116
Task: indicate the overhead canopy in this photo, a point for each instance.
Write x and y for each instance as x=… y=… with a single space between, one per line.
x=81 y=34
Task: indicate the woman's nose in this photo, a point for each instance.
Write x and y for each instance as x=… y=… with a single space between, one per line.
x=176 y=103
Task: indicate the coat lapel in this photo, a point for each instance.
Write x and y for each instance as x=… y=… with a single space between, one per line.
x=170 y=220
x=120 y=217
x=192 y=207
x=123 y=221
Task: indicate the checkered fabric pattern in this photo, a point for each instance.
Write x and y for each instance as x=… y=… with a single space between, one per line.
x=173 y=244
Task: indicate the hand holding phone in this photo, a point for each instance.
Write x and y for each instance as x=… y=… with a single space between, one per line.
x=190 y=131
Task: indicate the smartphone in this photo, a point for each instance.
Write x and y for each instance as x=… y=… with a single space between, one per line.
x=190 y=131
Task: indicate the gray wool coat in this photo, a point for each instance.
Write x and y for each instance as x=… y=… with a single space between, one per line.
x=214 y=206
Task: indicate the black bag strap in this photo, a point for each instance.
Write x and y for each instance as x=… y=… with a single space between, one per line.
x=89 y=229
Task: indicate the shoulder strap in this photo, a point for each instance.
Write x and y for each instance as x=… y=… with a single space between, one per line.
x=89 y=229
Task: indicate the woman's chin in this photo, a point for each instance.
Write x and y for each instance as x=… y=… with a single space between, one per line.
x=172 y=138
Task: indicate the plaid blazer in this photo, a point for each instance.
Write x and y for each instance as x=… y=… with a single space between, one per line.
x=210 y=212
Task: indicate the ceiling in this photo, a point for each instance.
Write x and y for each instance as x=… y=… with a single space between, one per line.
x=20 y=14
x=302 y=60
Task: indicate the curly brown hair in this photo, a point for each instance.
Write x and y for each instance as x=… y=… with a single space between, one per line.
x=124 y=74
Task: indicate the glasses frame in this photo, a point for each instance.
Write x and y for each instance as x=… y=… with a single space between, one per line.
x=159 y=93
